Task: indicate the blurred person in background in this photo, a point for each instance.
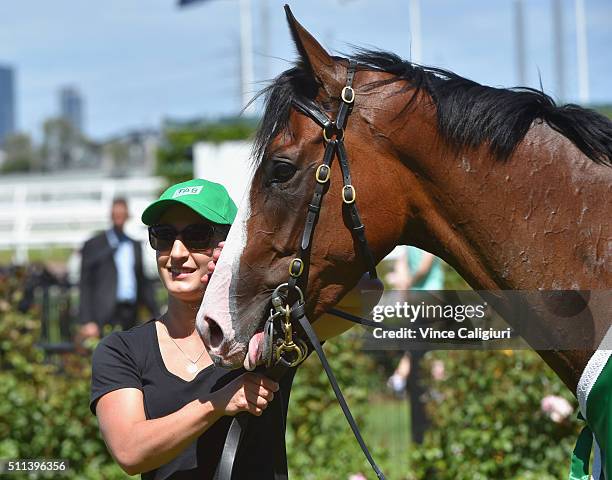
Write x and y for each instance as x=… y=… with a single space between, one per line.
x=414 y=269
x=112 y=282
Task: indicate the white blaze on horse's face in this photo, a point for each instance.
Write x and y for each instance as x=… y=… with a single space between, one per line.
x=214 y=319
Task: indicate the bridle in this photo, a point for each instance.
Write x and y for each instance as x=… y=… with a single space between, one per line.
x=287 y=351
x=284 y=348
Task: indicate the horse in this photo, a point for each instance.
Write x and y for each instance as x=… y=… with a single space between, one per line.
x=508 y=188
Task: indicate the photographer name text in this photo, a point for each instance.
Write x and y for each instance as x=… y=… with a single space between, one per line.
x=428 y=333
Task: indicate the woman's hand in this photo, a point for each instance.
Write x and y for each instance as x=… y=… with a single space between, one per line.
x=249 y=392
x=212 y=263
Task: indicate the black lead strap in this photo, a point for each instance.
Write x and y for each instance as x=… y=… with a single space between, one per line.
x=238 y=427
x=230 y=448
x=240 y=422
x=297 y=313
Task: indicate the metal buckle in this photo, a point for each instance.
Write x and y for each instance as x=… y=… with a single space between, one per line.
x=296 y=271
x=326 y=171
x=344 y=92
x=353 y=194
x=293 y=352
x=277 y=299
x=337 y=132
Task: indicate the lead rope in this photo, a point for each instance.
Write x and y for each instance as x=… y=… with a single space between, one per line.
x=240 y=422
x=238 y=427
x=297 y=312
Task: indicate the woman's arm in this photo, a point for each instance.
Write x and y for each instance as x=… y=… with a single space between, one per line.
x=140 y=445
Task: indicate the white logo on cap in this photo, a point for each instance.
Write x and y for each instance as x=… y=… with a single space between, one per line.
x=187 y=191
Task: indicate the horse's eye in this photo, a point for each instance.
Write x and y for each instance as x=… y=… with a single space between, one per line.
x=282 y=171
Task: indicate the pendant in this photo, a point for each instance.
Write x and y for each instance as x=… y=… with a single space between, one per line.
x=192 y=368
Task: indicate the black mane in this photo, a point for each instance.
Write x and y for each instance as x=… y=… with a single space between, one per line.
x=469 y=114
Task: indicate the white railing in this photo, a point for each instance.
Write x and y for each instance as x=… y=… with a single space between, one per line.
x=64 y=210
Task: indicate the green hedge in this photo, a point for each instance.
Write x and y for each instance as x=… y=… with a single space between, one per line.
x=487 y=420
x=44 y=412
x=604 y=110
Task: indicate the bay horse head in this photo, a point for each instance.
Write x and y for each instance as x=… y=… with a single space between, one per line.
x=435 y=162
x=267 y=232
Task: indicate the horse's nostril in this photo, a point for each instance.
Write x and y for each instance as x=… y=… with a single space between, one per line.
x=215 y=333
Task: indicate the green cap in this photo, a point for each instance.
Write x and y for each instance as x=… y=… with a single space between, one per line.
x=209 y=199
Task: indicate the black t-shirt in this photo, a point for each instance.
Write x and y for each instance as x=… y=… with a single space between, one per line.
x=133 y=359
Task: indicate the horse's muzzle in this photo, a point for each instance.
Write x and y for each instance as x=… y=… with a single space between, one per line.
x=223 y=350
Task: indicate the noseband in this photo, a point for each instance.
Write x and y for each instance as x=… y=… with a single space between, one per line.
x=283 y=347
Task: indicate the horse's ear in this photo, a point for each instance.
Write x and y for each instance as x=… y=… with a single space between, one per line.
x=314 y=56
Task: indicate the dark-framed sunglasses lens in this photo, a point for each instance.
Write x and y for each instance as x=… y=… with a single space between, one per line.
x=198 y=236
x=195 y=237
x=161 y=237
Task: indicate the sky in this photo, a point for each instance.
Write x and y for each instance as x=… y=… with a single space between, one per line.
x=137 y=62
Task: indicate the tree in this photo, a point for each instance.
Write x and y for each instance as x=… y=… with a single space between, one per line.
x=605 y=110
x=19 y=154
x=61 y=144
x=174 y=157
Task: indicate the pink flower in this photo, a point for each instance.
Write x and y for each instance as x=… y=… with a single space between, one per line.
x=437 y=370
x=557 y=408
x=357 y=476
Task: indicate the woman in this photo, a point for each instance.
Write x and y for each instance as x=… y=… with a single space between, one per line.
x=162 y=406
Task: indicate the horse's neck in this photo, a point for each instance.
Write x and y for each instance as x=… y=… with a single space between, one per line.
x=536 y=221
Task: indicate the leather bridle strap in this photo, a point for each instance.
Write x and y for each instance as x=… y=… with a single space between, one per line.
x=348 y=197
x=238 y=427
x=333 y=133
x=311 y=109
x=298 y=313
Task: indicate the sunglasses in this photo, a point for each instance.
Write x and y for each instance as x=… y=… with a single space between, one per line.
x=199 y=236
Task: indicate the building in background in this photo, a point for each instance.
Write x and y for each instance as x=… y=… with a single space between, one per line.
x=227 y=163
x=71 y=107
x=7 y=102
x=131 y=153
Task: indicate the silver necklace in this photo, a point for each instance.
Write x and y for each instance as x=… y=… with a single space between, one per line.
x=192 y=367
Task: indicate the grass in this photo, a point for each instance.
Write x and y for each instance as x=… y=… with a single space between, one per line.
x=388 y=426
x=45 y=255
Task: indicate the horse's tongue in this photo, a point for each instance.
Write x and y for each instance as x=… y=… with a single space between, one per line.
x=254 y=351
